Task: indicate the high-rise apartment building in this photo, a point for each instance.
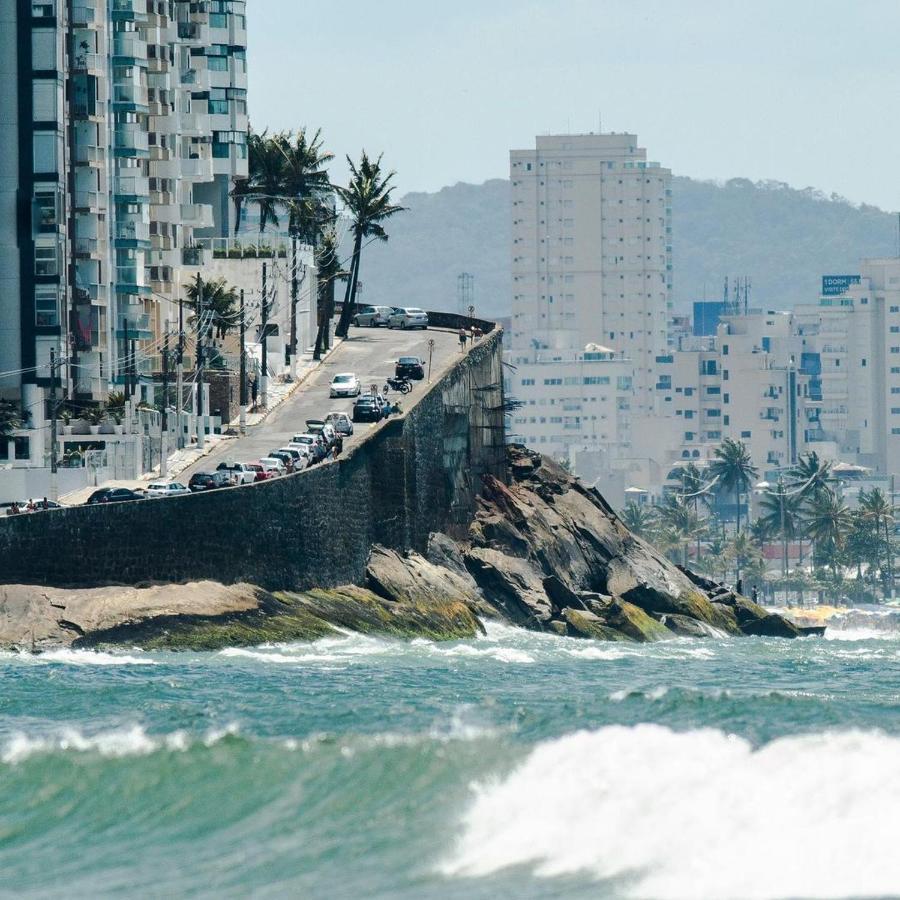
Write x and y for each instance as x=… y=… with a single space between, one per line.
x=122 y=126
x=591 y=263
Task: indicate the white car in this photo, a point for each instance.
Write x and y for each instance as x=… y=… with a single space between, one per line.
x=270 y=464
x=300 y=456
x=340 y=422
x=166 y=489
x=408 y=317
x=345 y=384
x=238 y=472
x=372 y=316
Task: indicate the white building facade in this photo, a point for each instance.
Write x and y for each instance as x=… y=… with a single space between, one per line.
x=591 y=262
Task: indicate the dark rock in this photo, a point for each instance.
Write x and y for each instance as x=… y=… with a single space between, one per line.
x=585 y=624
x=561 y=595
x=511 y=584
x=771 y=625
x=687 y=627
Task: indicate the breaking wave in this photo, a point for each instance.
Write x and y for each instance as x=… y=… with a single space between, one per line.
x=700 y=814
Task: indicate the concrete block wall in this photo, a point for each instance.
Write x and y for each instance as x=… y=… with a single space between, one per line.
x=416 y=474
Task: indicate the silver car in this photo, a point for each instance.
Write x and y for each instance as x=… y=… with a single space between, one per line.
x=166 y=489
x=408 y=317
x=372 y=316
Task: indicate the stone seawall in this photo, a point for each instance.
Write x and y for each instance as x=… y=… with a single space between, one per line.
x=416 y=474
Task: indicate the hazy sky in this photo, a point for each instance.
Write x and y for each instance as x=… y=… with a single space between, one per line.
x=802 y=91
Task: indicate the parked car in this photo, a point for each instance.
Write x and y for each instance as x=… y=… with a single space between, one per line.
x=240 y=472
x=166 y=489
x=260 y=473
x=114 y=495
x=300 y=457
x=340 y=422
x=324 y=429
x=35 y=504
x=286 y=458
x=314 y=444
x=410 y=367
x=273 y=467
x=408 y=317
x=366 y=409
x=372 y=316
x=208 y=481
x=345 y=384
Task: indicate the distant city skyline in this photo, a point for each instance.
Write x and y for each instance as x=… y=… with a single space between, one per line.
x=801 y=92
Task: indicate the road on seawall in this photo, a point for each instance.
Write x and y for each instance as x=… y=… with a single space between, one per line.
x=370 y=353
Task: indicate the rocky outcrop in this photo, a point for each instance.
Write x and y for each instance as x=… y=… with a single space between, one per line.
x=542 y=552
x=549 y=554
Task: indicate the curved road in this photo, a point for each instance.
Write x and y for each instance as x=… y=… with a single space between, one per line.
x=370 y=353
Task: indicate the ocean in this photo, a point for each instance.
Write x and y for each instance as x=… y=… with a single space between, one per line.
x=517 y=765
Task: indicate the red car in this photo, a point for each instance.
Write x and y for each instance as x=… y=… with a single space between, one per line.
x=261 y=473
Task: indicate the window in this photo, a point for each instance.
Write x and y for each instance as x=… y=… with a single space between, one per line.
x=44 y=94
x=45 y=211
x=552 y=381
x=46 y=306
x=23 y=447
x=527 y=381
x=745 y=434
x=45 y=144
x=45 y=260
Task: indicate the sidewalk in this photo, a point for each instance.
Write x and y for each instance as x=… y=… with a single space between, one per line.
x=278 y=392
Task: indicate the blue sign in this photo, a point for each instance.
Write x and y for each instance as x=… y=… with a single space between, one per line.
x=832 y=285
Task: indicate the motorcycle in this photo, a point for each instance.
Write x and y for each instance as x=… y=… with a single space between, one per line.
x=403 y=385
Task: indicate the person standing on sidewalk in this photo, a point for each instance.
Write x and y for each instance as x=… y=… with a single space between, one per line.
x=462 y=339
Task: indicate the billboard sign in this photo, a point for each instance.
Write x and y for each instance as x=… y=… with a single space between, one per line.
x=833 y=285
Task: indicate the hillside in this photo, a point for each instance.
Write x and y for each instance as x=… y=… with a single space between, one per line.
x=784 y=239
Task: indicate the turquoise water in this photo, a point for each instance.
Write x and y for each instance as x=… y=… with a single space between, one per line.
x=516 y=765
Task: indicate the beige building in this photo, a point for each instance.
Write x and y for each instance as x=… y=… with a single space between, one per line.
x=591 y=263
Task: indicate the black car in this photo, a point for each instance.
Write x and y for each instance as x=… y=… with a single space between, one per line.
x=410 y=367
x=114 y=495
x=366 y=409
x=208 y=481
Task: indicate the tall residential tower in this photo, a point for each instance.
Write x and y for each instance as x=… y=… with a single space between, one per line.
x=591 y=264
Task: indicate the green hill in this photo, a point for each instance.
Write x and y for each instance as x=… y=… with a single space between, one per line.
x=784 y=239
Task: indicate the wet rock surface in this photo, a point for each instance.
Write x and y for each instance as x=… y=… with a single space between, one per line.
x=542 y=552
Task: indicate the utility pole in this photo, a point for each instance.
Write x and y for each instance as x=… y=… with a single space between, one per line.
x=133 y=367
x=243 y=389
x=784 y=553
x=179 y=378
x=264 y=374
x=201 y=428
x=125 y=360
x=164 y=426
x=293 y=350
x=53 y=440
x=430 y=354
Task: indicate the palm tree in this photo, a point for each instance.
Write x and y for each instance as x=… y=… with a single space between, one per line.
x=811 y=474
x=697 y=492
x=875 y=509
x=780 y=514
x=744 y=553
x=679 y=518
x=733 y=470
x=219 y=303
x=328 y=266
x=368 y=199
x=304 y=181
x=11 y=418
x=638 y=518
x=828 y=522
x=265 y=181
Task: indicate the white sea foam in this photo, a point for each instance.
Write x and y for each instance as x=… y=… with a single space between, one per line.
x=698 y=814
x=92 y=658
x=129 y=741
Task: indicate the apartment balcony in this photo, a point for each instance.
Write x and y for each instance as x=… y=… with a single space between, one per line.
x=132 y=235
x=127 y=186
x=128 y=10
x=196 y=33
x=85 y=17
x=158 y=64
x=131 y=96
x=196 y=257
x=89 y=201
x=197 y=79
x=131 y=140
x=196 y=169
x=161 y=198
x=134 y=327
x=127 y=46
x=90 y=155
x=88 y=63
x=87 y=248
x=160 y=154
x=130 y=281
x=197 y=215
x=193 y=125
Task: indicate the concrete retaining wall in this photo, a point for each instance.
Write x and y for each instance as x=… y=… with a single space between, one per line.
x=416 y=474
